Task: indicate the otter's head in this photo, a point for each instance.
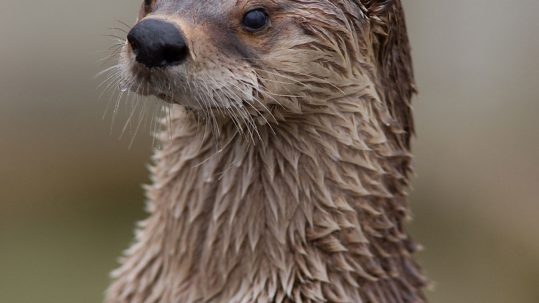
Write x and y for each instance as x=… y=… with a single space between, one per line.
x=256 y=55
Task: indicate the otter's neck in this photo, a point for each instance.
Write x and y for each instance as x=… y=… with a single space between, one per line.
x=318 y=201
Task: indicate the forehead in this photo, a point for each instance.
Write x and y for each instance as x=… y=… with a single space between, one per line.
x=194 y=8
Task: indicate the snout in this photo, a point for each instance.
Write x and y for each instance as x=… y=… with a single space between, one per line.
x=158 y=43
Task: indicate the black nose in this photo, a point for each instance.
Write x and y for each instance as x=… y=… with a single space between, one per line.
x=157 y=43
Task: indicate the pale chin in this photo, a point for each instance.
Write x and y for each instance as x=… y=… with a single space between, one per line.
x=184 y=100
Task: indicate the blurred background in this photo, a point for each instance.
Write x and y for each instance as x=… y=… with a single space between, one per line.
x=70 y=188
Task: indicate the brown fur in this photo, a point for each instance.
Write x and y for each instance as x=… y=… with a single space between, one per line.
x=286 y=181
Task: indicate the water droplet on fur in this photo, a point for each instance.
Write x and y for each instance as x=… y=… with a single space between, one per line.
x=123 y=86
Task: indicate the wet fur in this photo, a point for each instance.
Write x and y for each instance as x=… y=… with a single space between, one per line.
x=293 y=188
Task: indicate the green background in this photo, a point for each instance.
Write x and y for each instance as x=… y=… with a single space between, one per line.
x=70 y=190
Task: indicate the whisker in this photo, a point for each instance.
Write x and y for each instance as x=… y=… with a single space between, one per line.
x=212 y=114
x=141 y=118
x=113 y=78
x=101 y=73
x=250 y=123
x=118 y=38
x=124 y=23
x=218 y=151
x=113 y=83
x=301 y=74
x=238 y=114
x=133 y=108
x=123 y=30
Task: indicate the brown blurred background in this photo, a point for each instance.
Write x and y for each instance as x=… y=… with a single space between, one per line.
x=70 y=189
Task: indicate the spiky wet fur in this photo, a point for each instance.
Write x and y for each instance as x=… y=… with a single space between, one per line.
x=313 y=209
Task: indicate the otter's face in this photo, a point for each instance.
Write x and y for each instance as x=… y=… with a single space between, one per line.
x=246 y=54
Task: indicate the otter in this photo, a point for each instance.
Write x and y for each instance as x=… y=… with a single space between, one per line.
x=285 y=163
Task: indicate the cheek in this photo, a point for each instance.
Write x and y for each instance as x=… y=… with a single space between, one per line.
x=294 y=58
x=240 y=81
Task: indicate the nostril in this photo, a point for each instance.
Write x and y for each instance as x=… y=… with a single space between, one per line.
x=134 y=46
x=132 y=40
x=174 y=54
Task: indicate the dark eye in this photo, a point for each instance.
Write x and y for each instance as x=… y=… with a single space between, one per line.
x=255 y=20
x=148 y=5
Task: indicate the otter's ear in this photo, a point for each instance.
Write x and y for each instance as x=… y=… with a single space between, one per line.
x=146 y=7
x=392 y=51
x=378 y=12
x=377 y=7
